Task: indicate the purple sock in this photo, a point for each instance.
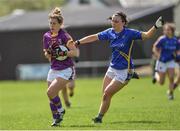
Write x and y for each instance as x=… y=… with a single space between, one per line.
x=56 y=100
x=53 y=110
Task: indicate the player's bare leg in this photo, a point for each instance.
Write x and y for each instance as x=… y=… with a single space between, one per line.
x=177 y=81
x=112 y=88
x=55 y=102
x=106 y=82
x=71 y=85
x=66 y=97
x=171 y=74
x=160 y=77
x=56 y=85
x=153 y=64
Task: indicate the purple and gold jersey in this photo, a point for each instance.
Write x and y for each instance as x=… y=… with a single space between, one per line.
x=168 y=47
x=61 y=39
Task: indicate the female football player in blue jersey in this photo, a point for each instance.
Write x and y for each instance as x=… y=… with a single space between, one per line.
x=120 y=71
x=165 y=49
x=58 y=49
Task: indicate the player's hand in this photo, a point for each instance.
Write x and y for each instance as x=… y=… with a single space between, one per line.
x=51 y=53
x=159 y=23
x=55 y=46
x=54 y=54
x=48 y=51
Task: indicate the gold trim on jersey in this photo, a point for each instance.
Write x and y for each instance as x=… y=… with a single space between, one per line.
x=54 y=34
x=128 y=57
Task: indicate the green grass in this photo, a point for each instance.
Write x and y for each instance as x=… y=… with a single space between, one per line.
x=140 y=105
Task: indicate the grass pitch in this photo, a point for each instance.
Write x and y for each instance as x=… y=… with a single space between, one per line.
x=140 y=105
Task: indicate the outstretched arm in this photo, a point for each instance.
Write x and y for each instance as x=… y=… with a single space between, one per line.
x=152 y=30
x=149 y=33
x=87 y=39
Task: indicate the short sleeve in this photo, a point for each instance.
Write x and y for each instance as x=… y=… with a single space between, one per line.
x=136 y=35
x=159 y=42
x=104 y=35
x=66 y=37
x=45 y=42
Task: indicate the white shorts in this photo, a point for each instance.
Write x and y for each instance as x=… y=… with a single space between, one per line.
x=119 y=75
x=67 y=74
x=162 y=67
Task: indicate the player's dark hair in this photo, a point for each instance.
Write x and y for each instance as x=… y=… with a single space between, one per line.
x=123 y=16
x=56 y=13
x=171 y=26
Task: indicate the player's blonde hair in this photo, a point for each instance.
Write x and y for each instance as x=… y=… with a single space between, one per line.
x=171 y=26
x=56 y=14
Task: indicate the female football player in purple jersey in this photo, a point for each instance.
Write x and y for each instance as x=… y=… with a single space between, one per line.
x=120 y=71
x=165 y=49
x=58 y=49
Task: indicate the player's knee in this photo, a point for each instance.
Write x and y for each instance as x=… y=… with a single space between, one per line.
x=107 y=95
x=49 y=93
x=70 y=85
x=104 y=97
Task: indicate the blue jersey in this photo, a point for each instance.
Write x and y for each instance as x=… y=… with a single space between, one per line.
x=121 y=44
x=168 y=47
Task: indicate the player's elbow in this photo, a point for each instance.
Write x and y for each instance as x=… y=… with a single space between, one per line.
x=154 y=49
x=145 y=35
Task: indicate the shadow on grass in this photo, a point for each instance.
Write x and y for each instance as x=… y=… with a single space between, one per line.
x=82 y=126
x=137 y=122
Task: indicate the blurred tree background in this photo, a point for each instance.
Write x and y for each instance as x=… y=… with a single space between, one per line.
x=7 y=6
